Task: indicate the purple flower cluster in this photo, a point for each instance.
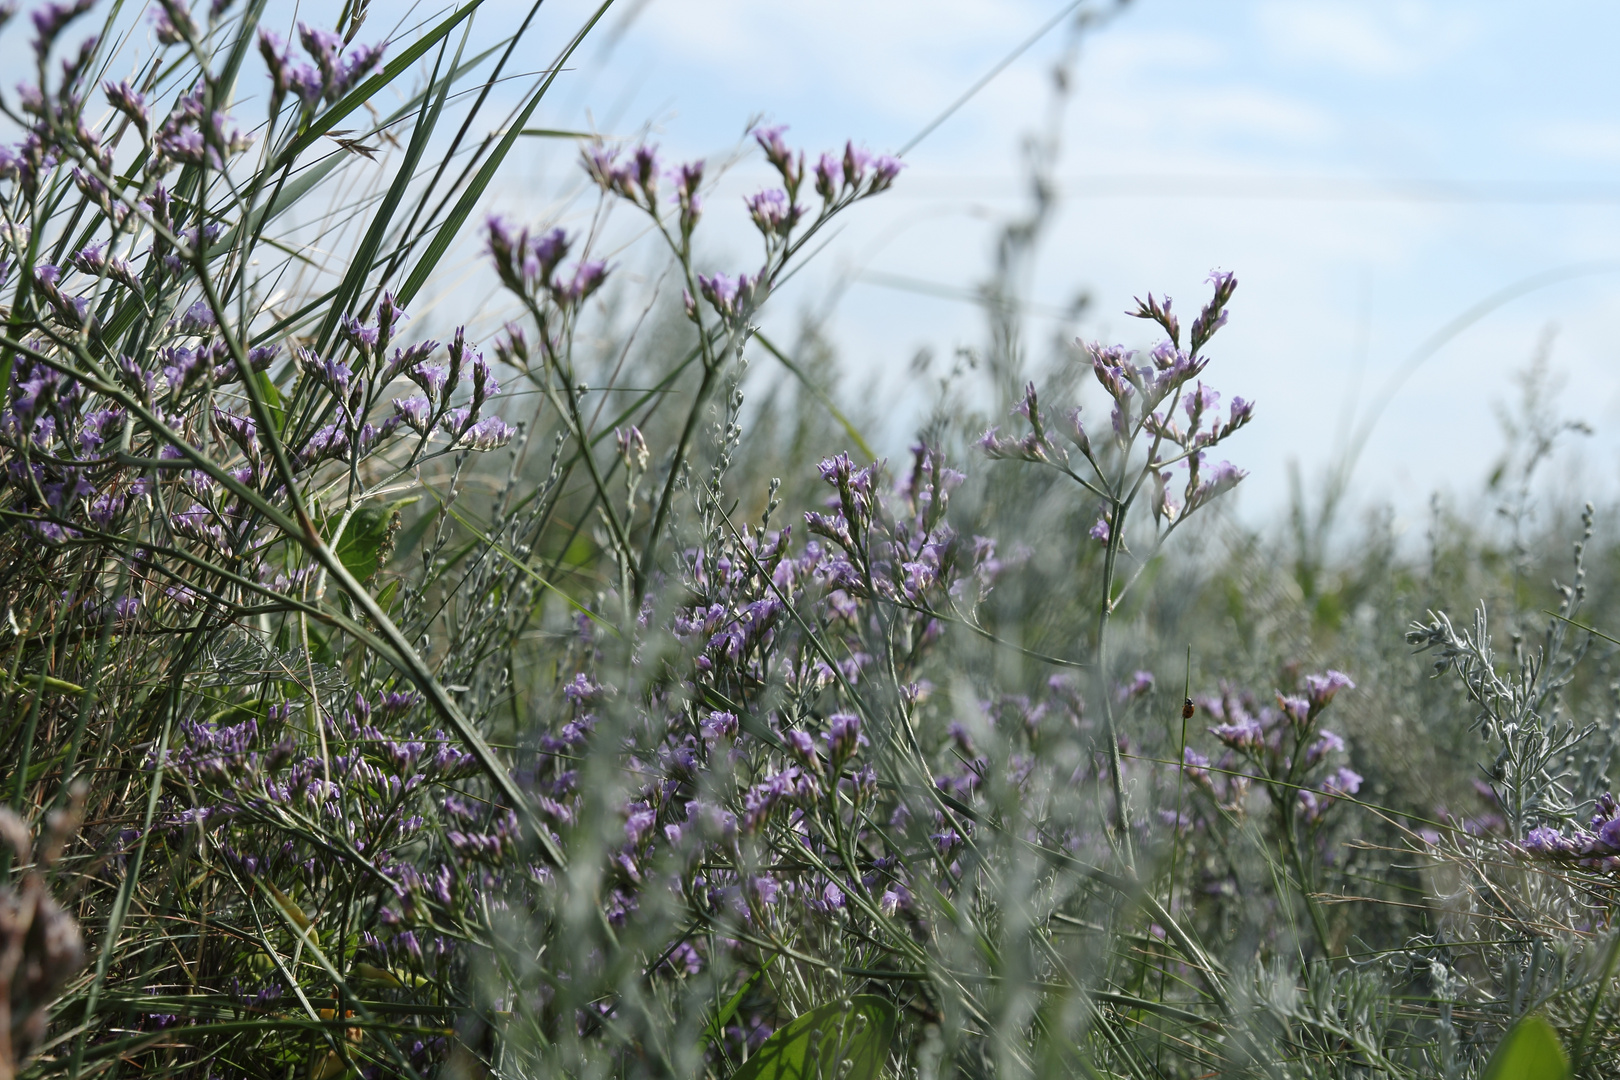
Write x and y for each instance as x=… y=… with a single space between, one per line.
x=1144 y=393
x=635 y=176
x=336 y=69
x=360 y=805
x=1596 y=847
x=529 y=265
x=1283 y=746
x=719 y=794
x=195 y=134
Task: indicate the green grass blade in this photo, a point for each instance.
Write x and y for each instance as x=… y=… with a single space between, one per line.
x=451 y=226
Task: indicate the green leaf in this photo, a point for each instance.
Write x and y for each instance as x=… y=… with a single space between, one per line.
x=1529 y=1051
x=847 y=1040
x=272 y=401
x=723 y=1017
x=367 y=539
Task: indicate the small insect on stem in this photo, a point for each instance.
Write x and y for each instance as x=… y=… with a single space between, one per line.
x=1188 y=708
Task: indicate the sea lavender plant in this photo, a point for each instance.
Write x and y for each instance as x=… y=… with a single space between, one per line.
x=422 y=740
x=202 y=461
x=1135 y=458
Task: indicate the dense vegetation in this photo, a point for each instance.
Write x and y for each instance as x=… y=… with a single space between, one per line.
x=545 y=706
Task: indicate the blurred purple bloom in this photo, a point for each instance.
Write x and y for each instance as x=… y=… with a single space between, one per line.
x=1326 y=743
x=772 y=213
x=1141 y=683
x=127 y=100
x=884 y=171
x=52 y=18
x=587 y=278
x=731 y=297
x=1344 y=781
x=1322 y=688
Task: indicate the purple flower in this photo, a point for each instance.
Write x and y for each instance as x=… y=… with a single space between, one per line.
x=1220 y=479
x=1543 y=840
x=855 y=164
x=360 y=61
x=1322 y=688
x=332 y=374
x=1242 y=733
x=632 y=447
x=1101 y=531
x=843 y=735
x=639 y=823
x=766 y=888
x=273 y=47
x=1295 y=708
x=778 y=153
x=582 y=690
x=416 y=412
x=1141 y=683
x=829 y=175
x=51 y=19
x=389 y=316
x=644 y=169
x=490 y=433
x=1609 y=833
x=687 y=179
x=306 y=84
x=322 y=46
x=1326 y=743
x=434 y=379
x=1201 y=400
x=730 y=297
x=773 y=213
x=127 y=100
x=1213 y=316
x=602 y=164
x=884 y=171
x=1344 y=781
x=362 y=336
x=186 y=145
x=720 y=725
x=588 y=277
x=894 y=898
x=522 y=261
x=803 y=746
x=172 y=22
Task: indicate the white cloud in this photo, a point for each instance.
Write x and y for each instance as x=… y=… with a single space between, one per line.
x=904 y=57
x=1369 y=39
x=1578 y=140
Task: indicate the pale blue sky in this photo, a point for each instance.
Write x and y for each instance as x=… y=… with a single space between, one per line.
x=1370 y=170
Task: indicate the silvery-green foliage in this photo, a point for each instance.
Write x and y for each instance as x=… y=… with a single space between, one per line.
x=1520 y=712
